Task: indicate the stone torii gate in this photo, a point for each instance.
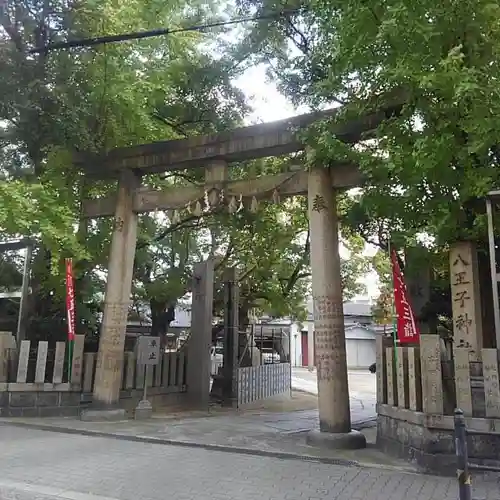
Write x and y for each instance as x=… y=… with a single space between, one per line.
x=214 y=153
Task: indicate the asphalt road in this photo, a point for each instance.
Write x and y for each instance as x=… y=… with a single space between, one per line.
x=362 y=390
x=362 y=383
x=41 y=465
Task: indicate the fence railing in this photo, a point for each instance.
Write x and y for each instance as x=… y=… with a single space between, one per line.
x=261 y=382
x=169 y=374
x=32 y=365
x=264 y=344
x=423 y=379
x=41 y=368
x=462 y=454
x=35 y=367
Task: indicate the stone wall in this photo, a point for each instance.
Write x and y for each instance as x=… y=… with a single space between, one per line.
x=428 y=440
x=32 y=402
x=158 y=397
x=418 y=388
x=47 y=392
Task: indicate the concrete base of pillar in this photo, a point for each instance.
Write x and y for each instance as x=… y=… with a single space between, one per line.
x=143 y=410
x=353 y=440
x=103 y=415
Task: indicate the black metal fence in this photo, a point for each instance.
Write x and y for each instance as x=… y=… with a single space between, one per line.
x=462 y=454
x=269 y=343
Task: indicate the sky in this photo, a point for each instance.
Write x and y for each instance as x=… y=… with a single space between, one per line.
x=270 y=105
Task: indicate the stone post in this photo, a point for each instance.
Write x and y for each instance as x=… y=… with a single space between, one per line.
x=392 y=393
x=463 y=389
x=491 y=372
x=117 y=300
x=402 y=381
x=466 y=303
x=432 y=376
x=231 y=336
x=8 y=356
x=198 y=360
x=7 y=343
x=414 y=379
x=331 y=363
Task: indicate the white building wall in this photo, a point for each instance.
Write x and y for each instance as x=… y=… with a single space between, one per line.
x=360 y=353
x=360 y=345
x=296 y=345
x=182 y=318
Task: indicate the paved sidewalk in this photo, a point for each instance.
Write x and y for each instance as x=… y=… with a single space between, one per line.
x=260 y=432
x=38 y=465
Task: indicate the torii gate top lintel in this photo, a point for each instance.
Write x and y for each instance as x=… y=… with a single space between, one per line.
x=275 y=138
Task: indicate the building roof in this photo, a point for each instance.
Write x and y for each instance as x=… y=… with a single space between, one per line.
x=357 y=309
x=354 y=308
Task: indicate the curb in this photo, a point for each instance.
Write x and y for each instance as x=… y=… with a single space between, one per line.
x=369 y=423
x=213 y=447
x=185 y=444
x=303 y=391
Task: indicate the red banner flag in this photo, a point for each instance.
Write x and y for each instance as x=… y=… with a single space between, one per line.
x=406 y=326
x=70 y=300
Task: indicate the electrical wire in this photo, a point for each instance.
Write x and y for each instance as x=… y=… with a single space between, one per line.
x=90 y=42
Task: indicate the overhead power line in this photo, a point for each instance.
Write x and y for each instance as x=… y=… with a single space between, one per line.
x=90 y=42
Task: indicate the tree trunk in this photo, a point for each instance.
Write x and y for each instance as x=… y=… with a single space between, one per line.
x=162 y=314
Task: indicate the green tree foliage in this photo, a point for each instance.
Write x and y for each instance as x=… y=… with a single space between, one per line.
x=354 y=267
x=440 y=154
x=383 y=307
x=56 y=103
x=428 y=168
x=92 y=100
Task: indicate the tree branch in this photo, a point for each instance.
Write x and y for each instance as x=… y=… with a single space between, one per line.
x=177 y=128
x=247 y=273
x=174 y=227
x=370 y=241
x=10 y=29
x=181 y=175
x=228 y=253
x=302 y=262
x=303 y=45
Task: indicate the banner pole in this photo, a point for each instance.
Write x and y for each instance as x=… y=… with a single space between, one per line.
x=70 y=359
x=70 y=313
x=393 y=312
